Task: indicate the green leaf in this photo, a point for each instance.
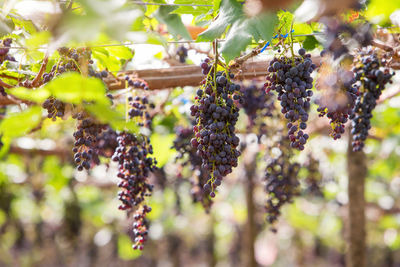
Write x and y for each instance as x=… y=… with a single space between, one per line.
x=73 y=88
x=236 y=40
x=120 y=52
x=38 y=39
x=263 y=26
x=18 y=124
x=173 y=22
x=27 y=25
x=38 y=95
x=285 y=21
x=229 y=12
x=105 y=114
x=310 y=43
x=105 y=60
x=242 y=32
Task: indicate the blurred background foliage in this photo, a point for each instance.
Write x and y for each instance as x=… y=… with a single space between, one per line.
x=52 y=215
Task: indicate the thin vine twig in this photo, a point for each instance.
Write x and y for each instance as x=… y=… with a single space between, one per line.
x=36 y=80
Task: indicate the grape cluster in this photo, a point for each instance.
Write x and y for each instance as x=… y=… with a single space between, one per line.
x=373 y=77
x=85 y=144
x=281 y=181
x=138 y=109
x=314 y=177
x=182 y=53
x=107 y=142
x=4 y=49
x=337 y=32
x=216 y=115
x=187 y=156
x=55 y=108
x=76 y=60
x=338 y=98
x=134 y=167
x=291 y=79
x=140 y=227
x=255 y=101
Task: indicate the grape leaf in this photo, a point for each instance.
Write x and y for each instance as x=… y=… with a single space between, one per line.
x=229 y=12
x=310 y=43
x=38 y=95
x=173 y=22
x=18 y=124
x=74 y=88
x=243 y=31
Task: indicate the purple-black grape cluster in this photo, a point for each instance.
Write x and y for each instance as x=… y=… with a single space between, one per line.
x=216 y=114
x=76 y=60
x=339 y=34
x=313 y=181
x=55 y=108
x=4 y=49
x=373 y=76
x=182 y=53
x=291 y=79
x=107 y=142
x=339 y=93
x=282 y=183
x=134 y=167
x=85 y=135
x=72 y=60
x=138 y=109
x=187 y=156
x=255 y=101
x=140 y=227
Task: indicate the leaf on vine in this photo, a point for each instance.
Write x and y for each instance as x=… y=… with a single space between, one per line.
x=229 y=12
x=105 y=114
x=18 y=124
x=75 y=89
x=173 y=22
x=39 y=95
x=310 y=43
x=243 y=31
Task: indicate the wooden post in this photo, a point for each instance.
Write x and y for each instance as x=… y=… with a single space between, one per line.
x=250 y=167
x=357 y=171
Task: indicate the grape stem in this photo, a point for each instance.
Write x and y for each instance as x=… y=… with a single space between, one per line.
x=36 y=80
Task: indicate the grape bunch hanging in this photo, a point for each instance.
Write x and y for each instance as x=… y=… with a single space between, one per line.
x=281 y=177
x=134 y=167
x=371 y=73
x=187 y=156
x=291 y=79
x=216 y=114
x=86 y=137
